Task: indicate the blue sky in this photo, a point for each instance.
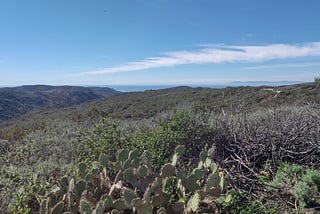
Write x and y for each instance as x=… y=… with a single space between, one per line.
x=157 y=42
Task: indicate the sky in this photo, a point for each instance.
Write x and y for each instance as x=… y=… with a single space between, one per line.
x=158 y=42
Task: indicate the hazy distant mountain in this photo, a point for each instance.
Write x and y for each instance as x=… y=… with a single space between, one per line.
x=15 y=101
x=264 y=83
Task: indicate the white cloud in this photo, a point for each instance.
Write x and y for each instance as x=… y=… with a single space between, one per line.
x=288 y=65
x=218 y=54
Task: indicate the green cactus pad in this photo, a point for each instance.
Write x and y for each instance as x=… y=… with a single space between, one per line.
x=174 y=159
x=135 y=163
x=200 y=165
x=103 y=158
x=134 y=154
x=211 y=151
x=117 y=166
x=193 y=203
x=214 y=167
x=129 y=175
x=168 y=170
x=213 y=181
x=145 y=209
x=181 y=173
x=85 y=207
x=146 y=157
x=89 y=177
x=107 y=201
x=71 y=185
x=203 y=155
x=99 y=208
x=82 y=168
x=179 y=150
x=64 y=181
x=58 y=208
x=80 y=187
x=128 y=196
x=95 y=168
x=198 y=173
x=222 y=180
x=207 y=162
x=190 y=183
x=119 y=204
x=142 y=171
x=228 y=198
x=122 y=155
x=127 y=163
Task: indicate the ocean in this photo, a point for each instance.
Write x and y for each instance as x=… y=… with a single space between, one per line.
x=132 y=88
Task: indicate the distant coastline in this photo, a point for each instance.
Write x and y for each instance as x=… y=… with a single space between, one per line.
x=132 y=88
x=139 y=88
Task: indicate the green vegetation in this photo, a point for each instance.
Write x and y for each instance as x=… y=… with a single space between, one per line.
x=129 y=184
x=302 y=183
x=208 y=155
x=17 y=101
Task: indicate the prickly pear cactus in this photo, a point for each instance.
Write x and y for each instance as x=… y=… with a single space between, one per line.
x=129 y=184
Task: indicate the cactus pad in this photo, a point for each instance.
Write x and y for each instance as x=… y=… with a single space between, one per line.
x=107 y=201
x=142 y=171
x=134 y=154
x=64 y=181
x=179 y=150
x=145 y=209
x=80 y=187
x=119 y=204
x=193 y=203
x=212 y=182
x=122 y=155
x=82 y=169
x=103 y=160
x=99 y=208
x=128 y=196
x=168 y=170
x=85 y=207
x=203 y=155
x=58 y=208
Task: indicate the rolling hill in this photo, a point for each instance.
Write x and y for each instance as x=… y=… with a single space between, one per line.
x=17 y=101
x=141 y=105
x=52 y=137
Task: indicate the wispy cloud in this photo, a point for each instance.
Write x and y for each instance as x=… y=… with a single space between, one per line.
x=287 y=65
x=217 y=54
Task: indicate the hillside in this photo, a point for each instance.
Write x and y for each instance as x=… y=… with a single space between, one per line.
x=17 y=101
x=147 y=104
x=255 y=134
x=139 y=105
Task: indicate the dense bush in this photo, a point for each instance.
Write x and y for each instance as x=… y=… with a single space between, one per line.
x=249 y=148
x=129 y=184
x=38 y=156
x=301 y=183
